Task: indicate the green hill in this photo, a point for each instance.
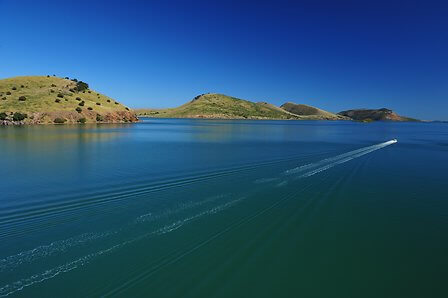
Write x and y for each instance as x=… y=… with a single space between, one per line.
x=219 y=106
x=47 y=99
x=305 y=110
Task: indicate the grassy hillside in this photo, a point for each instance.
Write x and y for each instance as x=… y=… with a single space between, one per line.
x=219 y=106
x=45 y=98
x=305 y=110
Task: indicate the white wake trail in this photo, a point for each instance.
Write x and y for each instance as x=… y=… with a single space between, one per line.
x=21 y=284
x=328 y=163
x=57 y=247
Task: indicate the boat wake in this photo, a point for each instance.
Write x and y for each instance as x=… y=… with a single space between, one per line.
x=14 y=261
x=325 y=164
x=86 y=259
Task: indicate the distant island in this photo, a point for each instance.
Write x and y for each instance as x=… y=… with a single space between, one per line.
x=374 y=115
x=50 y=99
x=220 y=106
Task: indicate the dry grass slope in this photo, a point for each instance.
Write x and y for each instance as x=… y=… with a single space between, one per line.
x=219 y=106
x=47 y=99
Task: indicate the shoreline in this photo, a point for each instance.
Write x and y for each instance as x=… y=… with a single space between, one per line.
x=16 y=124
x=6 y=123
x=245 y=118
x=277 y=119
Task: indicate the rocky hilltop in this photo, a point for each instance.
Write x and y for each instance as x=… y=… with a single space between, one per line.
x=368 y=115
x=50 y=99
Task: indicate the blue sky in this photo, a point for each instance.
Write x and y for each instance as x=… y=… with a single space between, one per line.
x=335 y=55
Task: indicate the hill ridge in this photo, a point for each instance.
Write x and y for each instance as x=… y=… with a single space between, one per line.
x=221 y=106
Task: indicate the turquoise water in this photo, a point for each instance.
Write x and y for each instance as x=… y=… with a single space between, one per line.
x=203 y=208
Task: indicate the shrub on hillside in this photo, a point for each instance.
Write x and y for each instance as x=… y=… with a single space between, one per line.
x=51 y=91
x=8 y=93
x=197 y=96
x=60 y=95
x=14 y=88
x=22 y=98
x=90 y=108
x=108 y=100
x=59 y=120
x=3 y=116
x=127 y=109
x=53 y=85
x=21 y=86
x=57 y=100
x=4 y=98
x=67 y=78
x=82 y=120
x=81 y=103
x=78 y=109
x=116 y=103
x=81 y=86
x=99 y=117
x=98 y=103
x=71 y=90
x=78 y=98
x=74 y=80
x=19 y=116
x=89 y=91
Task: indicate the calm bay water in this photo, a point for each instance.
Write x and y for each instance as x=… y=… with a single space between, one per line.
x=202 y=208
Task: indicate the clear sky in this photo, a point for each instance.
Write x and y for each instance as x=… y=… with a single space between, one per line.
x=335 y=55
